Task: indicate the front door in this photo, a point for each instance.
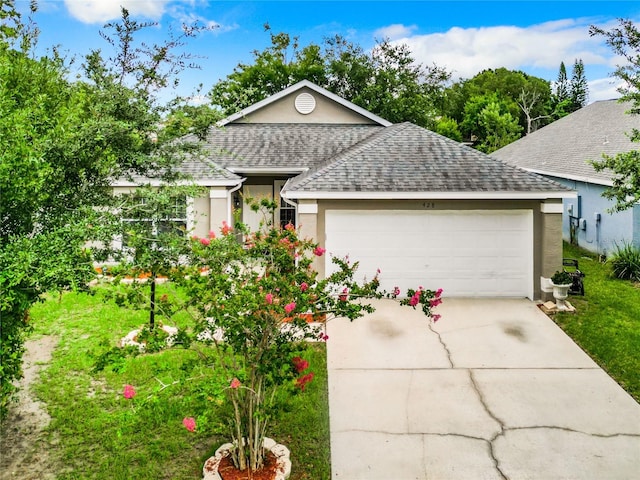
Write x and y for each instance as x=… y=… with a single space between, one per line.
x=284 y=214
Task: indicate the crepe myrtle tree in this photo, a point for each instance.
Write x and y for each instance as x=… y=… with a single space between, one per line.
x=253 y=302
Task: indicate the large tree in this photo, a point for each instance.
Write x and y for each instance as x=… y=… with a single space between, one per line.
x=624 y=40
x=61 y=143
x=578 y=87
x=526 y=98
x=386 y=81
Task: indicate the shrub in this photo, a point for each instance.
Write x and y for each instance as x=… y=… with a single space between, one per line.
x=626 y=262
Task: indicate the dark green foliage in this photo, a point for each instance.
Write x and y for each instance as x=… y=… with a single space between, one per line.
x=386 y=81
x=625 y=262
x=561 y=278
x=61 y=145
x=578 y=88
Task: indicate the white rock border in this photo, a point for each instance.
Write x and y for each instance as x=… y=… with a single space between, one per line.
x=129 y=339
x=282 y=453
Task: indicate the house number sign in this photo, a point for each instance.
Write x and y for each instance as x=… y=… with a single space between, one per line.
x=429 y=205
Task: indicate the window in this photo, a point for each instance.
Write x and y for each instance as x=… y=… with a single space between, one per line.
x=151 y=217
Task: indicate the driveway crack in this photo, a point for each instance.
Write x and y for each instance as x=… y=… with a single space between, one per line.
x=491 y=441
x=444 y=345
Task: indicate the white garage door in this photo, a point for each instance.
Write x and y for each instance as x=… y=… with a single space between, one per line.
x=477 y=253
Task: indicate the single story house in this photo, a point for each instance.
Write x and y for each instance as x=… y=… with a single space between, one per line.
x=563 y=150
x=422 y=208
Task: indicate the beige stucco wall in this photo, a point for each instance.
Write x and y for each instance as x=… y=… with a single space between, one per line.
x=209 y=213
x=284 y=111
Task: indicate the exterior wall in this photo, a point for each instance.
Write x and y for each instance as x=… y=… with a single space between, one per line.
x=547 y=241
x=284 y=111
x=635 y=212
x=612 y=229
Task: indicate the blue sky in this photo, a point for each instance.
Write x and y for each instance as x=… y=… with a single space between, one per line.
x=463 y=36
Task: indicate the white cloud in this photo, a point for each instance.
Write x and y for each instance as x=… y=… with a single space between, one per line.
x=394 y=31
x=604 y=89
x=100 y=11
x=467 y=51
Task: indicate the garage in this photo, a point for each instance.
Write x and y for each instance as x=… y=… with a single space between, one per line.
x=467 y=253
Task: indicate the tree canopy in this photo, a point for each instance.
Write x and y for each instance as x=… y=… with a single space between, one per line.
x=61 y=144
x=386 y=81
x=624 y=40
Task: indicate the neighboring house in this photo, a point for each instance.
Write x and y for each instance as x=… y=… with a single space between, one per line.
x=422 y=208
x=562 y=151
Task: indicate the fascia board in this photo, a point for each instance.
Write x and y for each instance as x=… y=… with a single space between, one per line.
x=306 y=195
x=568 y=176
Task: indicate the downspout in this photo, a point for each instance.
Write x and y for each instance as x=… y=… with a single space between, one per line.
x=293 y=203
x=230 y=199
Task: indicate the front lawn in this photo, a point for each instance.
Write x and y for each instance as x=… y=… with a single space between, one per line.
x=607 y=322
x=96 y=433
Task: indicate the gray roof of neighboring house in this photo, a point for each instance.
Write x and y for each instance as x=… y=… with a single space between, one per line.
x=296 y=146
x=408 y=158
x=564 y=147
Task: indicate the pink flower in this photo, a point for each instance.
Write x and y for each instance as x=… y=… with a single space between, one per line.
x=289 y=226
x=414 y=299
x=323 y=336
x=189 y=423
x=319 y=251
x=300 y=364
x=129 y=392
x=396 y=291
x=304 y=286
x=268 y=298
x=301 y=382
x=212 y=234
x=435 y=302
x=438 y=292
x=290 y=307
x=344 y=296
x=205 y=241
x=226 y=229
x=235 y=383
x=436 y=317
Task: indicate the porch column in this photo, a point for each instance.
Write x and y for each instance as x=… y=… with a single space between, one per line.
x=551 y=250
x=308 y=219
x=218 y=208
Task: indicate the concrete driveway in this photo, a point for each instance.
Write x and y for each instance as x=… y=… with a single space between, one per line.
x=494 y=390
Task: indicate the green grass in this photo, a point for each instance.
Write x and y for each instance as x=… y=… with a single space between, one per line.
x=607 y=322
x=96 y=433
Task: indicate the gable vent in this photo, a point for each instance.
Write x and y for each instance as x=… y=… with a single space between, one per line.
x=305 y=103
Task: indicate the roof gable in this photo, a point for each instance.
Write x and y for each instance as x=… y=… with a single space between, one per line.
x=565 y=147
x=292 y=105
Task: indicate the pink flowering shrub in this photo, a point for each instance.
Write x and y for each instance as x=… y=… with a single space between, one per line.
x=259 y=292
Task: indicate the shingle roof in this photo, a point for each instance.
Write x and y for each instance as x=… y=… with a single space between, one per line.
x=564 y=147
x=408 y=158
x=297 y=146
x=201 y=170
